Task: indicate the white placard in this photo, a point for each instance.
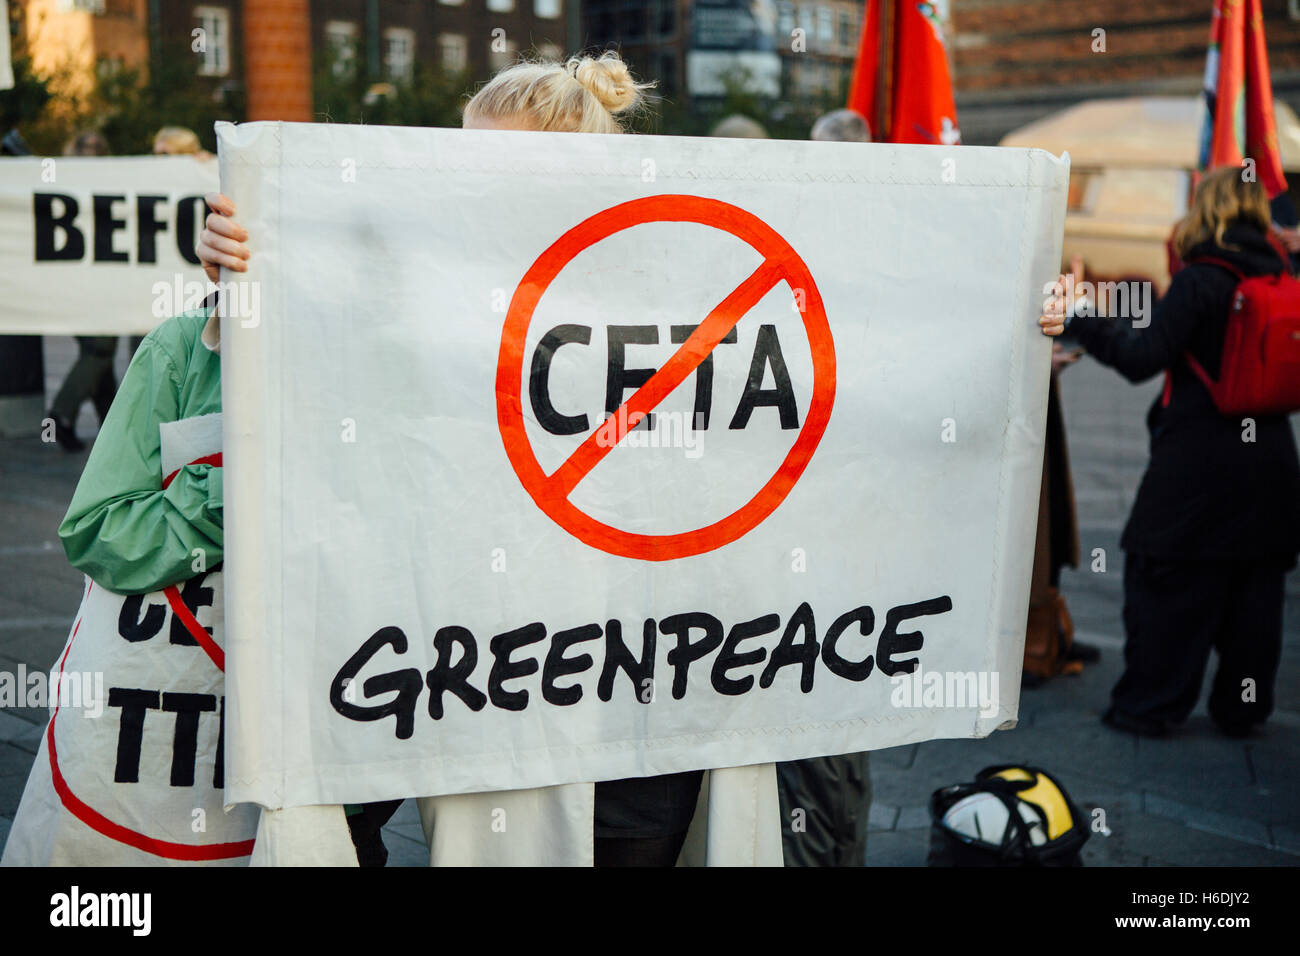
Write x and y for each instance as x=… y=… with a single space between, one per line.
x=448 y=568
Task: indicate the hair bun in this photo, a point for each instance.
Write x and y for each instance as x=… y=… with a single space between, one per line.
x=608 y=79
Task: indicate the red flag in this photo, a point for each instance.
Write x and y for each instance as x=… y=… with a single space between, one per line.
x=900 y=81
x=1238 y=122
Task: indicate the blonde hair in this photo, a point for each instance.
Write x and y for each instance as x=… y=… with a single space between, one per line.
x=1221 y=197
x=582 y=95
x=177 y=140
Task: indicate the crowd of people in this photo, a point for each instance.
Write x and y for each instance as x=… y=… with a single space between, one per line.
x=1213 y=532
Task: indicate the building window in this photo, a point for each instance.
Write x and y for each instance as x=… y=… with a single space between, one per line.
x=1081 y=193
x=634 y=18
x=399 y=53
x=500 y=6
x=500 y=59
x=825 y=26
x=667 y=72
x=454 y=52
x=81 y=6
x=452 y=3
x=846 y=30
x=806 y=21
x=550 y=52
x=785 y=19
x=214 y=51
x=666 y=21
x=341 y=44
x=547 y=9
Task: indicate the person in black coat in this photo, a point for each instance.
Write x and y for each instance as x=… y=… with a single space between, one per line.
x=1216 y=523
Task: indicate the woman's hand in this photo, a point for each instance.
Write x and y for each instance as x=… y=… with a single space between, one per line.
x=1063 y=358
x=1066 y=287
x=222 y=241
x=1052 y=321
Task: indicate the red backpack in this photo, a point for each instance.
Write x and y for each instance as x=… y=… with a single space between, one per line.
x=1260 y=370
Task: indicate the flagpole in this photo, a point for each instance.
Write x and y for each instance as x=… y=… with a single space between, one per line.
x=884 y=72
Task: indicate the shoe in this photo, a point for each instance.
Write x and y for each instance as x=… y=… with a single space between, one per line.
x=1237 y=731
x=1084 y=653
x=1237 y=728
x=1129 y=723
x=65 y=433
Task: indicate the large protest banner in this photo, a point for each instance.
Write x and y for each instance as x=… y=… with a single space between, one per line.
x=100 y=245
x=460 y=559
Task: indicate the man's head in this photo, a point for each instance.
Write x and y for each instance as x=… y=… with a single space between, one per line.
x=88 y=143
x=736 y=126
x=841 y=126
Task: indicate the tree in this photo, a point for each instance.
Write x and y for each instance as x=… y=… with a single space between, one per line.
x=431 y=97
x=128 y=105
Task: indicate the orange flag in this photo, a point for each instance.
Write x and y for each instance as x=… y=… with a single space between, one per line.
x=901 y=82
x=1238 y=122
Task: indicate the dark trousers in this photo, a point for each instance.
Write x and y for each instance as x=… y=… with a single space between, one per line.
x=91 y=377
x=825 y=802
x=365 y=821
x=1175 y=612
x=659 y=851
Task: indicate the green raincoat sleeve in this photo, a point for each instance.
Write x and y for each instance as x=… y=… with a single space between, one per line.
x=123 y=529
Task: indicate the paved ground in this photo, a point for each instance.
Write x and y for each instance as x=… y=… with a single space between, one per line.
x=1194 y=799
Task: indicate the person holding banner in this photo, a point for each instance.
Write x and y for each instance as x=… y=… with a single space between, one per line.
x=647 y=821
x=1216 y=522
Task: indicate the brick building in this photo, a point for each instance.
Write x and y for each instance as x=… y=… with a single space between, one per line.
x=819 y=61
x=390 y=37
x=73 y=36
x=1015 y=61
x=659 y=37
x=474 y=37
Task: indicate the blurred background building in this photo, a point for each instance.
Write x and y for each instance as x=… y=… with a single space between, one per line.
x=781 y=61
x=1017 y=60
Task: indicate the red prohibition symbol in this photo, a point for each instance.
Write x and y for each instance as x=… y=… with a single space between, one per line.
x=551 y=492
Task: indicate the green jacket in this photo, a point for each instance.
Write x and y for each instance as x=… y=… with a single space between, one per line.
x=122 y=529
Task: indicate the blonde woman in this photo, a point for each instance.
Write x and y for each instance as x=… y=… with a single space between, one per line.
x=635 y=822
x=178 y=141
x=1216 y=522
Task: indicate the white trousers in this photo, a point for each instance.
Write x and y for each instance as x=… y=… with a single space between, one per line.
x=737 y=823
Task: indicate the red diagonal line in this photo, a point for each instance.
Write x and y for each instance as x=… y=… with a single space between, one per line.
x=197 y=630
x=684 y=361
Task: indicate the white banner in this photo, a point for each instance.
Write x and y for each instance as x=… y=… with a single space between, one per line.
x=452 y=573
x=100 y=245
x=130 y=768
